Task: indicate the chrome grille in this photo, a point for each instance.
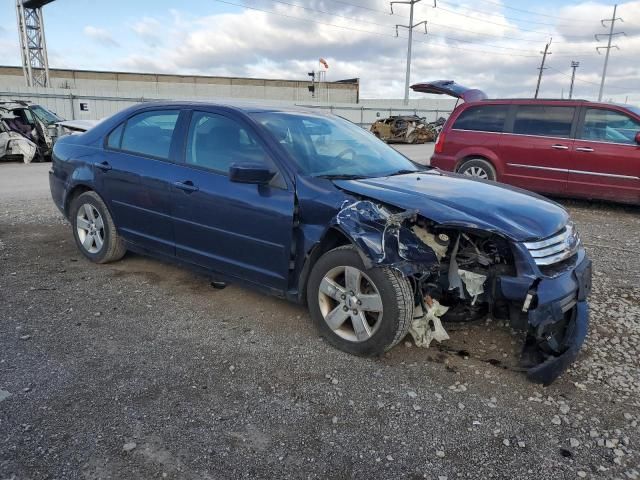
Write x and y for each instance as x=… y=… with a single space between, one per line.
x=557 y=248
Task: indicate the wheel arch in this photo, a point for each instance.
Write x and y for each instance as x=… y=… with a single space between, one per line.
x=332 y=238
x=489 y=157
x=74 y=193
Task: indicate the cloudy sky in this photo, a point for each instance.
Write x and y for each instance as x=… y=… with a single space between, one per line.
x=489 y=44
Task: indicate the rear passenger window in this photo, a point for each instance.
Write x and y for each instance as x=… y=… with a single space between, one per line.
x=215 y=142
x=483 y=118
x=149 y=133
x=543 y=120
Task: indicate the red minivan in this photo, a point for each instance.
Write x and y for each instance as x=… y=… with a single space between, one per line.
x=572 y=148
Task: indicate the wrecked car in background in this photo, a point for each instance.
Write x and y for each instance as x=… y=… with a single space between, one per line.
x=376 y=246
x=404 y=129
x=28 y=131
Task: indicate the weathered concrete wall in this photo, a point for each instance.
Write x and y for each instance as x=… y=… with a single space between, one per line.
x=174 y=86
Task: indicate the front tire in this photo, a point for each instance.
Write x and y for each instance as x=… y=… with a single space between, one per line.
x=358 y=310
x=93 y=229
x=478 y=168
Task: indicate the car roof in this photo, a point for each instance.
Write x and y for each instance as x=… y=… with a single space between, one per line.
x=246 y=106
x=547 y=101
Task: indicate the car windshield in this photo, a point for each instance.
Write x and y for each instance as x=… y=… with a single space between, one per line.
x=45 y=115
x=329 y=146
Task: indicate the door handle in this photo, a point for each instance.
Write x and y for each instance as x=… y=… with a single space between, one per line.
x=560 y=147
x=104 y=166
x=584 y=149
x=186 y=186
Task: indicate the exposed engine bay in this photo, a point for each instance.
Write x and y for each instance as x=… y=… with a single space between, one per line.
x=457 y=275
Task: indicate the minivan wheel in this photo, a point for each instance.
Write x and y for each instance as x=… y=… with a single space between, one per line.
x=478 y=167
x=93 y=229
x=358 y=310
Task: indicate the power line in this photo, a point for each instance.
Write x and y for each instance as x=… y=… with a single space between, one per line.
x=343 y=27
x=578 y=79
x=447 y=26
x=452 y=39
x=484 y=12
x=475 y=17
x=503 y=5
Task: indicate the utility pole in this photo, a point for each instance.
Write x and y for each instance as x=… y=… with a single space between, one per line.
x=409 y=27
x=574 y=65
x=544 y=58
x=608 y=48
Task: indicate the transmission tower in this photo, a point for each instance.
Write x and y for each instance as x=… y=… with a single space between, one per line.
x=608 y=48
x=33 y=47
x=409 y=27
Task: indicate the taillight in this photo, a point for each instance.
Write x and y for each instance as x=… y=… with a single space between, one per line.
x=439 y=143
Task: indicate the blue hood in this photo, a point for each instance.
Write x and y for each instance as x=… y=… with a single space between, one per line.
x=464 y=202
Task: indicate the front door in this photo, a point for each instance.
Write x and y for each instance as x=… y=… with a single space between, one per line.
x=238 y=229
x=606 y=160
x=537 y=147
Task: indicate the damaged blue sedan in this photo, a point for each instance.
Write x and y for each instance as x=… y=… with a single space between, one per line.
x=313 y=208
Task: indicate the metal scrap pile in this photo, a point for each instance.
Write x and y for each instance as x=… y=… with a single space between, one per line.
x=407 y=129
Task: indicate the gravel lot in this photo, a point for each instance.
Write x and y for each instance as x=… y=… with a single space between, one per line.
x=140 y=369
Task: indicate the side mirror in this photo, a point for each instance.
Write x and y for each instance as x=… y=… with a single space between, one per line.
x=250 y=173
x=638 y=138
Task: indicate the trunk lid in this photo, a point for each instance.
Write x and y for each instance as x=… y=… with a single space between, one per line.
x=451 y=88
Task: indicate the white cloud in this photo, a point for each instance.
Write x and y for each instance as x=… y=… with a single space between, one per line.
x=485 y=50
x=149 y=30
x=101 y=36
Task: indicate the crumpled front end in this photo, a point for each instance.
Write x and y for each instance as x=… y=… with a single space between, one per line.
x=462 y=275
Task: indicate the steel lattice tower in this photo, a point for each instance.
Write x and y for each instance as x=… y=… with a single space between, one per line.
x=33 y=47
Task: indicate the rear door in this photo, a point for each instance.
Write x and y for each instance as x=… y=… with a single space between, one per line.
x=537 y=146
x=606 y=160
x=135 y=176
x=239 y=229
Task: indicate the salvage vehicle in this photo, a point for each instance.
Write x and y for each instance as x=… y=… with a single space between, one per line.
x=573 y=148
x=375 y=245
x=28 y=131
x=403 y=129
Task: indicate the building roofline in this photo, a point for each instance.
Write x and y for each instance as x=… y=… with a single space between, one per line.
x=354 y=81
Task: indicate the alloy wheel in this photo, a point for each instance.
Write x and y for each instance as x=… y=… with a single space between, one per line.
x=350 y=303
x=90 y=228
x=476 y=172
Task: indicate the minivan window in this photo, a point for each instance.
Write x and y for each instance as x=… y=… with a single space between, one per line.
x=483 y=118
x=150 y=133
x=602 y=125
x=544 y=120
x=215 y=142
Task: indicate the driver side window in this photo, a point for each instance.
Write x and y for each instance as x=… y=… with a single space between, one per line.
x=215 y=142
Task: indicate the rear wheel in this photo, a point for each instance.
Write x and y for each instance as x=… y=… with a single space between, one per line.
x=361 y=311
x=479 y=168
x=93 y=229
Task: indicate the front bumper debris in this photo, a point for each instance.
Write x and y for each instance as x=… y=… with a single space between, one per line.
x=558 y=319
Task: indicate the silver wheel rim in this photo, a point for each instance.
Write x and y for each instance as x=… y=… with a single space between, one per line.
x=476 y=172
x=350 y=303
x=90 y=228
